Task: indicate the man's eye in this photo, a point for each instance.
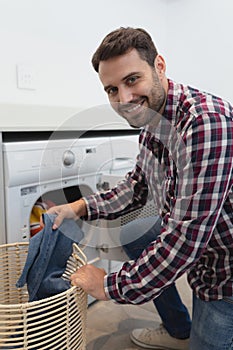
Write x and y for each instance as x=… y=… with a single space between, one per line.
x=131 y=80
x=111 y=91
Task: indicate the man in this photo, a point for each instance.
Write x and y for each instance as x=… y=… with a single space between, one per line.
x=185 y=164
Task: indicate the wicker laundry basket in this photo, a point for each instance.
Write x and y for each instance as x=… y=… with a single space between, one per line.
x=54 y=323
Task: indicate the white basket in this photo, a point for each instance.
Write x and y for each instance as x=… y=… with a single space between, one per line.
x=54 y=323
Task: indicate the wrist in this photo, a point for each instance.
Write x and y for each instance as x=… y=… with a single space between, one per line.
x=79 y=207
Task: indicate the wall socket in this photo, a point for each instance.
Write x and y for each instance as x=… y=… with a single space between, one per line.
x=25 y=76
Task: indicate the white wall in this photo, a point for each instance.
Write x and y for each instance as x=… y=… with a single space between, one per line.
x=58 y=37
x=199 y=49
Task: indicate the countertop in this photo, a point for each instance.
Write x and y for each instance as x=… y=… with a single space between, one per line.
x=15 y=117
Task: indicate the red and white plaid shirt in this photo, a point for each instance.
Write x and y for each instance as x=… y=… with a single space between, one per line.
x=186 y=166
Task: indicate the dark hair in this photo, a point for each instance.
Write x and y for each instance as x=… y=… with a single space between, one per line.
x=123 y=40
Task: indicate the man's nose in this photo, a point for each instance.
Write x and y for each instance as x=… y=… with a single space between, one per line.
x=125 y=95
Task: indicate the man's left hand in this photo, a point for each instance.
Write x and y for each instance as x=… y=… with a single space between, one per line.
x=91 y=279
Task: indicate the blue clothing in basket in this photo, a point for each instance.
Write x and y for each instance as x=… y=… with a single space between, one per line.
x=47 y=256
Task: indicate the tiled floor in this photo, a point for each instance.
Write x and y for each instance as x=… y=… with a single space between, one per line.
x=110 y=324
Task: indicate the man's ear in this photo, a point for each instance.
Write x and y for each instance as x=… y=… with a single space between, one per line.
x=160 y=66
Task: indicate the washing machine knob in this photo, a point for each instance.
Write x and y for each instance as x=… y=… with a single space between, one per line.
x=68 y=158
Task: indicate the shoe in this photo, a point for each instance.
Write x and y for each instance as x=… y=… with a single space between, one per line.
x=158 y=338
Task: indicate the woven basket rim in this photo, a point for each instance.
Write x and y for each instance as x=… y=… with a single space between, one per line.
x=41 y=301
x=6 y=245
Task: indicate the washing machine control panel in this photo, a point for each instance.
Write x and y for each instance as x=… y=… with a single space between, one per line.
x=42 y=161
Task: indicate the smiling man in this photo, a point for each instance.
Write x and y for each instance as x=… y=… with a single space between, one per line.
x=185 y=164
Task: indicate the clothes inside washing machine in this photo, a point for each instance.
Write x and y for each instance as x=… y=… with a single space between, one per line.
x=39 y=208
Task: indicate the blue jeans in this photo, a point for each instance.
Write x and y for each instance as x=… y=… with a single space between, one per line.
x=47 y=256
x=136 y=236
x=212 y=325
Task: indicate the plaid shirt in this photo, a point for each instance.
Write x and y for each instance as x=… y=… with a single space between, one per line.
x=185 y=165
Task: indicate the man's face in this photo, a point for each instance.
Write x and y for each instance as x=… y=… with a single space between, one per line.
x=134 y=88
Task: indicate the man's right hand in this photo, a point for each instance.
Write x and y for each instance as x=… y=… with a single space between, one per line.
x=72 y=210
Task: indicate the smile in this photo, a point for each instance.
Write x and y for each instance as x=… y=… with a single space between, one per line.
x=134 y=108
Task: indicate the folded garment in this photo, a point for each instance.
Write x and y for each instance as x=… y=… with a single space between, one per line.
x=47 y=256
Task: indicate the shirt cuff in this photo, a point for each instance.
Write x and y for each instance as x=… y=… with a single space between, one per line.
x=106 y=287
x=111 y=288
x=92 y=208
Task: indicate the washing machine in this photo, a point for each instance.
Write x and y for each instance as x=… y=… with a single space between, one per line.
x=63 y=169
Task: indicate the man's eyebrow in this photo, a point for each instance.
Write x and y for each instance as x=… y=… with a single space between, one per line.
x=107 y=87
x=123 y=79
x=129 y=75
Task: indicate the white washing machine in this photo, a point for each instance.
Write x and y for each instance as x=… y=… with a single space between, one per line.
x=62 y=170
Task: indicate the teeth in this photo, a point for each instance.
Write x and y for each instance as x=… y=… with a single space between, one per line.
x=134 y=108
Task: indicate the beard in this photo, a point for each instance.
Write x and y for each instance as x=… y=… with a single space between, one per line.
x=151 y=114
x=157 y=96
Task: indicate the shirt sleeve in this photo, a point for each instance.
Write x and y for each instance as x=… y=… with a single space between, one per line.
x=128 y=195
x=203 y=160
